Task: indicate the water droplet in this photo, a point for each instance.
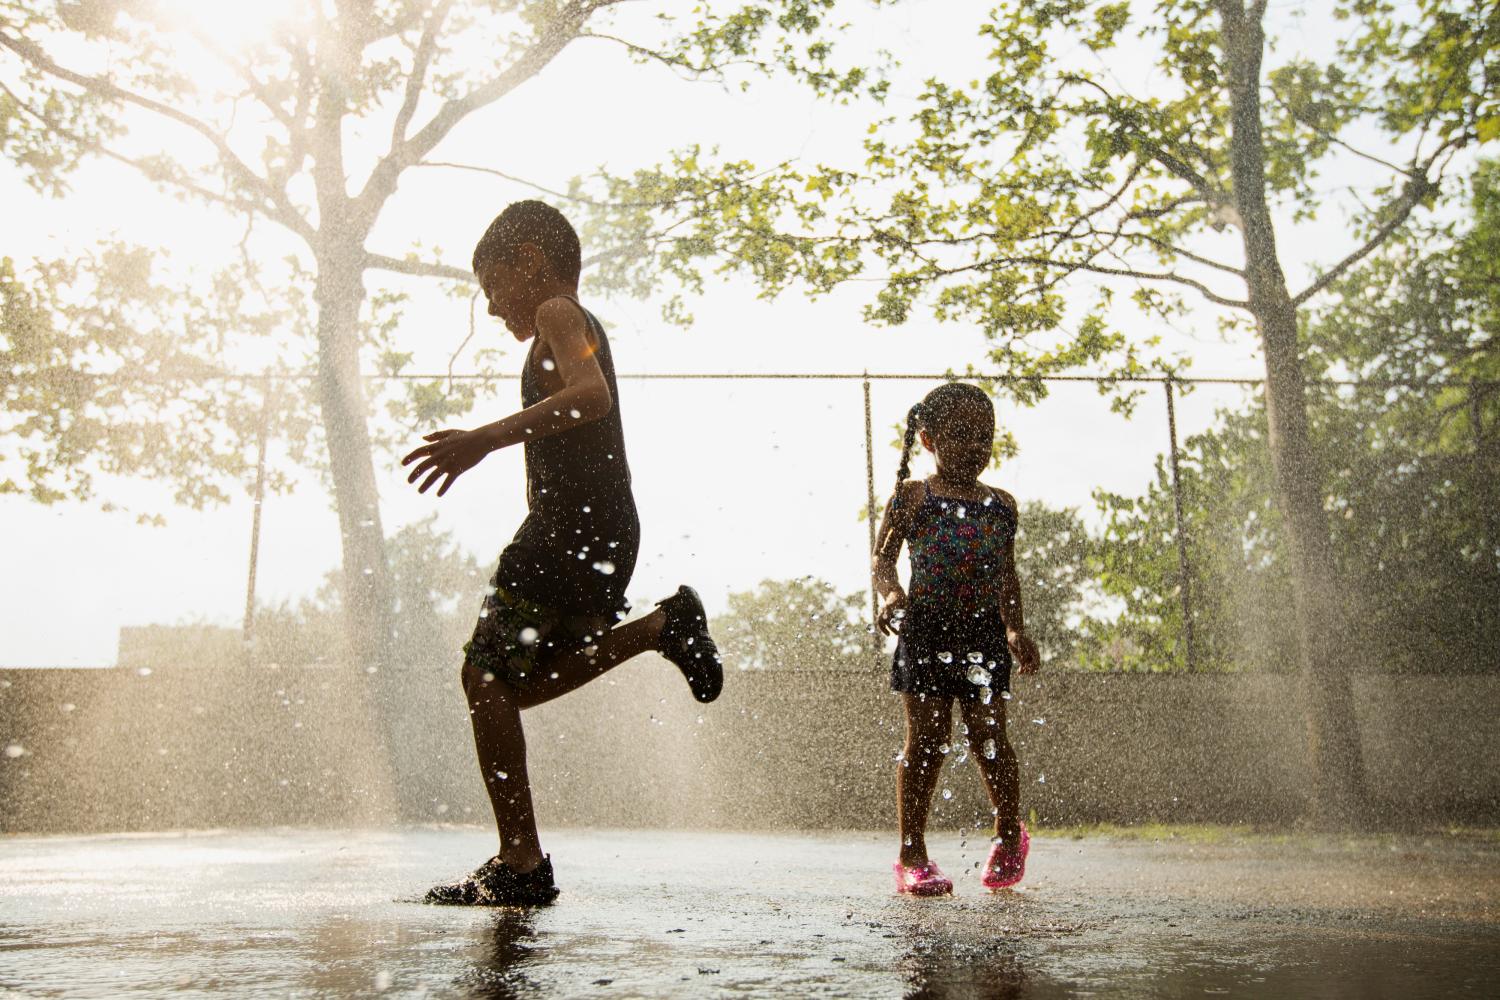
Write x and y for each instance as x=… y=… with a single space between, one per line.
x=587 y=509
x=548 y=364
x=68 y=706
x=144 y=671
x=1042 y=780
x=985 y=695
x=945 y=657
x=1005 y=695
x=947 y=793
x=1040 y=722
x=529 y=636
x=907 y=841
x=978 y=675
x=574 y=414
x=14 y=750
x=488 y=677
x=976 y=657
x=989 y=749
x=943 y=749
x=604 y=566
x=501 y=775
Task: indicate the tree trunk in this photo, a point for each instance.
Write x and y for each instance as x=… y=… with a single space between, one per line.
x=339 y=252
x=366 y=590
x=1332 y=728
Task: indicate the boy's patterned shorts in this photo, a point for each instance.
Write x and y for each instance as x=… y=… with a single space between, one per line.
x=514 y=638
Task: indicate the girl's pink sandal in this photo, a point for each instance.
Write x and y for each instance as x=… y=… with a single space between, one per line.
x=1005 y=866
x=921 y=880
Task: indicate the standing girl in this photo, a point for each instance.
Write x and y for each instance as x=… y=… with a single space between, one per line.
x=957 y=628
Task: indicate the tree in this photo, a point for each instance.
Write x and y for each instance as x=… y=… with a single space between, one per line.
x=801 y=624
x=437 y=587
x=263 y=139
x=1412 y=467
x=1237 y=564
x=1055 y=561
x=996 y=196
x=101 y=369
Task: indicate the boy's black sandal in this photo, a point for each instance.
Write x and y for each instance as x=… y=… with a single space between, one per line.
x=686 y=642
x=495 y=884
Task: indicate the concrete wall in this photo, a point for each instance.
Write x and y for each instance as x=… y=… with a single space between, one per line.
x=228 y=746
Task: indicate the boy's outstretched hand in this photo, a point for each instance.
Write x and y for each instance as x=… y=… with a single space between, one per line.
x=447 y=454
x=1023 y=648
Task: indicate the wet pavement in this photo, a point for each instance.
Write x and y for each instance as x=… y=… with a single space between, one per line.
x=647 y=913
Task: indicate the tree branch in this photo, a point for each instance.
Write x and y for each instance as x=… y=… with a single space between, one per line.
x=246 y=74
x=491 y=171
x=1334 y=140
x=147 y=170
x=550 y=40
x=1413 y=191
x=422 y=268
x=671 y=62
x=1175 y=165
x=1169 y=248
x=280 y=209
x=421 y=59
x=1118 y=272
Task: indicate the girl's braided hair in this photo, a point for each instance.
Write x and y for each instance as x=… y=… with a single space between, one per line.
x=933 y=411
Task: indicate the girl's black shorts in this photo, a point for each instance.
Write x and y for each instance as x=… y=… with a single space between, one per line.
x=951 y=654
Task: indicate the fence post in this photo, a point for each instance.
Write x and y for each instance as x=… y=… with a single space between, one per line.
x=1476 y=429
x=1185 y=590
x=870 y=501
x=260 y=495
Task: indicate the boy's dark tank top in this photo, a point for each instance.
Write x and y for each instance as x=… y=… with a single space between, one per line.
x=576 y=550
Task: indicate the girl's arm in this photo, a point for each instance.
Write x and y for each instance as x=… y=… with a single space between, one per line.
x=894 y=525
x=584 y=397
x=1028 y=657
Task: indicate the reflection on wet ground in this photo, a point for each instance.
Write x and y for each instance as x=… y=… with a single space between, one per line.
x=646 y=913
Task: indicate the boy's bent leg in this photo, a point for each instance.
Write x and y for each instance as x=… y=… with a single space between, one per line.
x=500 y=743
x=569 y=670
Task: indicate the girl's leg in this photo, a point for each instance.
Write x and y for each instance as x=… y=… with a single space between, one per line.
x=1001 y=773
x=571 y=670
x=927 y=724
x=495 y=714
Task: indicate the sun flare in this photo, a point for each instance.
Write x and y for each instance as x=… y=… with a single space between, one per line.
x=234 y=24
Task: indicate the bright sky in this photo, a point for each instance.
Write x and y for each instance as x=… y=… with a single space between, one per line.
x=736 y=482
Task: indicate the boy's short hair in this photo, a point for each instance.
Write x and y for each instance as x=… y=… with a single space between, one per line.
x=533 y=222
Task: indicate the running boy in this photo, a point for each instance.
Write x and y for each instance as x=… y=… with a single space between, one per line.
x=550 y=622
